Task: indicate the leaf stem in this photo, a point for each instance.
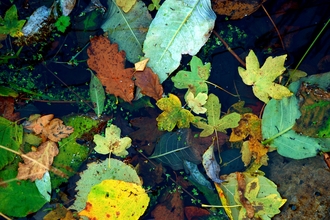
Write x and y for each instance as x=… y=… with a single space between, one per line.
x=267 y=141
x=221 y=88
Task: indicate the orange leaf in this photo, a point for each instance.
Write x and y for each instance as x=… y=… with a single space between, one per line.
x=148 y=81
x=37 y=163
x=37 y=124
x=241 y=189
x=109 y=65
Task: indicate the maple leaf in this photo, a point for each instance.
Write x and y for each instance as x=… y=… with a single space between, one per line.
x=173 y=114
x=109 y=65
x=53 y=129
x=112 y=143
x=10 y=23
x=214 y=122
x=37 y=163
x=250 y=127
x=196 y=103
x=262 y=78
x=194 y=80
x=148 y=81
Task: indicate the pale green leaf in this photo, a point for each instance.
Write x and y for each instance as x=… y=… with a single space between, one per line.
x=97 y=94
x=262 y=78
x=196 y=103
x=180 y=27
x=44 y=186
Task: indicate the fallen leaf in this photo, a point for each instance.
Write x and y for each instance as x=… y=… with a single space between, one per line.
x=53 y=129
x=148 y=81
x=41 y=162
x=7 y=108
x=214 y=122
x=262 y=78
x=112 y=143
x=141 y=65
x=211 y=165
x=109 y=65
x=196 y=103
x=67 y=6
x=97 y=94
x=125 y=5
x=116 y=199
x=241 y=192
x=193 y=212
x=173 y=114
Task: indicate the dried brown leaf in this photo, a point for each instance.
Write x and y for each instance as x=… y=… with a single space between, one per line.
x=37 y=163
x=109 y=65
x=7 y=108
x=148 y=81
x=56 y=130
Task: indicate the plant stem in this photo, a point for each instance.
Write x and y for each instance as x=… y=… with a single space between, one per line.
x=267 y=141
x=221 y=88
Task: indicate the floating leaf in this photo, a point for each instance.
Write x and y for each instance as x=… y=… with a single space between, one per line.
x=187 y=25
x=173 y=114
x=262 y=78
x=44 y=156
x=125 y=5
x=211 y=165
x=6 y=91
x=109 y=65
x=214 y=122
x=196 y=103
x=10 y=23
x=96 y=173
x=97 y=94
x=128 y=30
x=148 y=81
x=109 y=199
x=194 y=80
x=112 y=143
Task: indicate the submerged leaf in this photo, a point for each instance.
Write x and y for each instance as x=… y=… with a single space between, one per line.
x=187 y=24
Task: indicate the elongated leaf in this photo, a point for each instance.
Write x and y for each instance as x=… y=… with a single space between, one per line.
x=210 y=165
x=97 y=94
x=172 y=148
x=180 y=27
x=128 y=30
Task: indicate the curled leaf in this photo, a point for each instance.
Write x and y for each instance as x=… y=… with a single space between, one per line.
x=211 y=165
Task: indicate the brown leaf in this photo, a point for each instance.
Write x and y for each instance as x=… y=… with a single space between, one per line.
x=37 y=163
x=56 y=130
x=171 y=208
x=148 y=81
x=7 y=108
x=241 y=191
x=37 y=124
x=109 y=65
x=193 y=212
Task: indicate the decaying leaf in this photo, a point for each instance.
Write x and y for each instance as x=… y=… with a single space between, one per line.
x=262 y=78
x=50 y=127
x=249 y=129
x=40 y=163
x=7 y=108
x=149 y=83
x=112 y=143
x=196 y=103
x=109 y=65
x=241 y=194
x=214 y=122
x=116 y=199
x=211 y=165
x=173 y=114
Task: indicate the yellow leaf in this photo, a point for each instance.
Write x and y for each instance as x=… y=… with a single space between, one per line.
x=196 y=103
x=262 y=78
x=125 y=5
x=224 y=201
x=112 y=143
x=141 y=65
x=116 y=199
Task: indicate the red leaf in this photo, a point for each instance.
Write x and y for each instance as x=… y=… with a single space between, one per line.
x=148 y=81
x=109 y=65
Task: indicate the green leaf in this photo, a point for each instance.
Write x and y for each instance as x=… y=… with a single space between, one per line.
x=173 y=114
x=62 y=23
x=5 y=91
x=262 y=78
x=112 y=143
x=128 y=30
x=214 y=122
x=11 y=137
x=97 y=172
x=97 y=94
x=194 y=80
x=10 y=24
x=187 y=25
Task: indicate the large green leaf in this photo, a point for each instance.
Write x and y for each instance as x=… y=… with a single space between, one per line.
x=279 y=118
x=180 y=27
x=11 y=137
x=128 y=30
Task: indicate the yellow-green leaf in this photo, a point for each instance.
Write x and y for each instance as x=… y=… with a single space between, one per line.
x=196 y=103
x=262 y=78
x=173 y=114
x=10 y=24
x=112 y=143
x=116 y=199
